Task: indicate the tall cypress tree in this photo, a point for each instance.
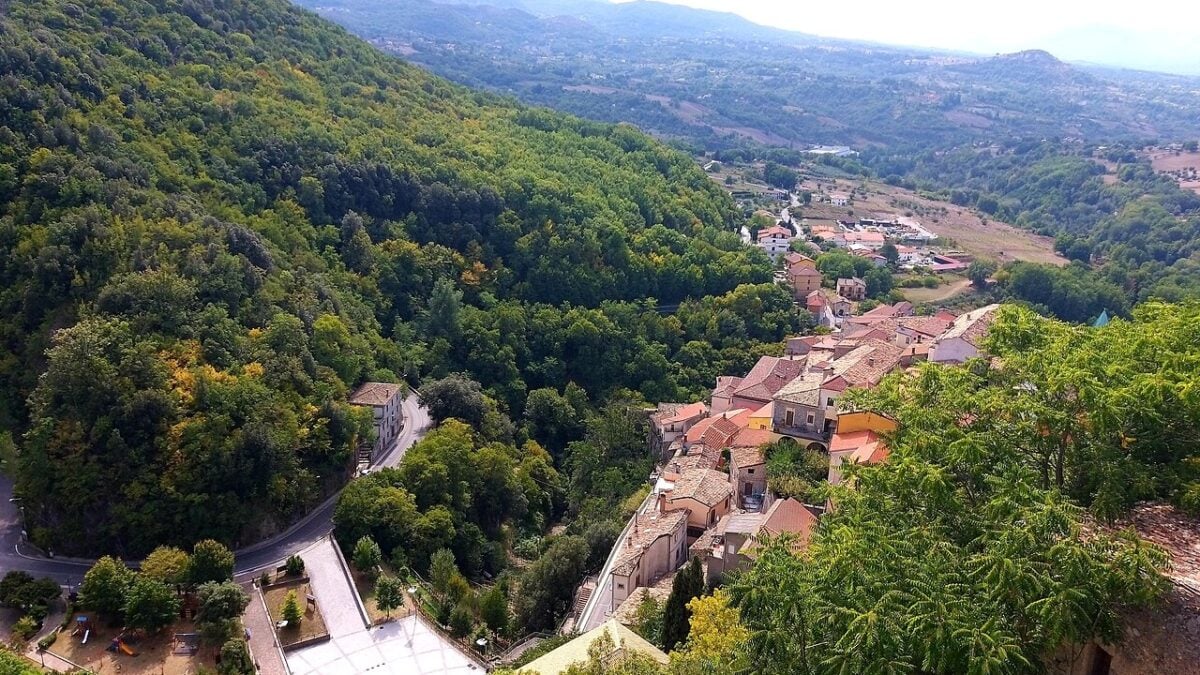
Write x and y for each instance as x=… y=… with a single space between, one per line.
x=688 y=584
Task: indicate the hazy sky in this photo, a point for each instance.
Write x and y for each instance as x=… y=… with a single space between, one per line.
x=1152 y=34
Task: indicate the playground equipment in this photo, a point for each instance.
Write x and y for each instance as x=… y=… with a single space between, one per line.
x=119 y=644
x=186 y=644
x=82 y=626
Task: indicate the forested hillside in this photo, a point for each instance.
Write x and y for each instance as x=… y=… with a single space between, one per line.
x=217 y=217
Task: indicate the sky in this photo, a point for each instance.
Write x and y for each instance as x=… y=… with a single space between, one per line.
x=1146 y=34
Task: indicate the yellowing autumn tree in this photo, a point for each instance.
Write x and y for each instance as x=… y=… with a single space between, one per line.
x=717 y=638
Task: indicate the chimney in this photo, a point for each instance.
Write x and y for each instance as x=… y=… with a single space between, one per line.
x=662 y=502
x=871 y=361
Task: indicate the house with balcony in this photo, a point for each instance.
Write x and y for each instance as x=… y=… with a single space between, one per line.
x=852 y=288
x=775 y=240
x=806 y=408
x=801 y=413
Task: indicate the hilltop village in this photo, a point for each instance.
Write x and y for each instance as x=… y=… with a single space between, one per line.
x=714 y=494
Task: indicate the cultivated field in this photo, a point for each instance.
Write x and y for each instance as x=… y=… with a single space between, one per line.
x=1170 y=161
x=969 y=232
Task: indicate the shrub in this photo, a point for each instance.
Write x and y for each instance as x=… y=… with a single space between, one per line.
x=528 y=548
x=25 y=628
x=45 y=642
x=460 y=620
x=235 y=658
x=295 y=566
x=264 y=579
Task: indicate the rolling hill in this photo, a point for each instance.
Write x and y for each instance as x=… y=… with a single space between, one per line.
x=713 y=79
x=217 y=216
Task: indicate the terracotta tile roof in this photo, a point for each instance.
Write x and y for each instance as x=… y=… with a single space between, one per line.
x=680 y=413
x=767 y=377
x=864 y=447
x=648 y=527
x=972 y=326
x=706 y=486
x=866 y=365
x=719 y=433
x=794 y=258
x=774 y=231
x=726 y=385
x=752 y=438
x=374 y=393
x=694 y=434
x=803 y=272
x=683 y=463
x=789 y=516
x=931 y=326
x=746 y=456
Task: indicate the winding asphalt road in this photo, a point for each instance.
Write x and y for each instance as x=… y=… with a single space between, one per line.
x=16 y=554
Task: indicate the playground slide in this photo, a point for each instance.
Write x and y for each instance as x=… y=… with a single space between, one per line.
x=125 y=648
x=86 y=633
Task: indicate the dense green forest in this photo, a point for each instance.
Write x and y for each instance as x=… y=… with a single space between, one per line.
x=217 y=217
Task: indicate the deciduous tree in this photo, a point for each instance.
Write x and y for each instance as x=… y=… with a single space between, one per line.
x=150 y=605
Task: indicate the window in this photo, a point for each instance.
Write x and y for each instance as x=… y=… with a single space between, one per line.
x=621 y=587
x=750 y=471
x=789 y=418
x=811 y=418
x=829 y=402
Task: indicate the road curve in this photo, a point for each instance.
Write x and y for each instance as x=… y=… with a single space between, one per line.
x=15 y=554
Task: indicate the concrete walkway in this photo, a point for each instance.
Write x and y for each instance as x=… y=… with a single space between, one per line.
x=336 y=596
x=263 y=644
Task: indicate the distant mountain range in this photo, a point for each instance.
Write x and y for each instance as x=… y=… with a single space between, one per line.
x=714 y=79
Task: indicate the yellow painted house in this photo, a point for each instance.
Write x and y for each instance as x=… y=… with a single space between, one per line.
x=761 y=418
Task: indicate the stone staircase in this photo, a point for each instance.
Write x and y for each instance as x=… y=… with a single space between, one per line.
x=582 y=596
x=363 y=459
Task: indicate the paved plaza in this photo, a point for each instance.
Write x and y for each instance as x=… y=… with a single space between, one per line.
x=407 y=647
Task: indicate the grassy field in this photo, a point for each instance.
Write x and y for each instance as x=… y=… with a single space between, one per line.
x=954 y=287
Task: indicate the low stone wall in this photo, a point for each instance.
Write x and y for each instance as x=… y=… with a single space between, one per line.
x=307 y=642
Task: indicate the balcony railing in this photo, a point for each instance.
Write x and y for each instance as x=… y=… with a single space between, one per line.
x=811 y=432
